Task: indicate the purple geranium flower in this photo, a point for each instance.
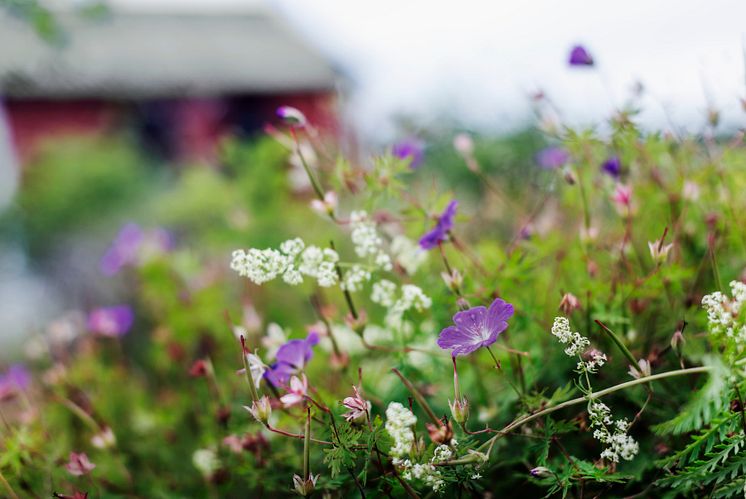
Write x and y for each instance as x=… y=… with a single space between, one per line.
x=123 y=250
x=475 y=328
x=579 y=56
x=439 y=233
x=612 y=166
x=291 y=358
x=411 y=148
x=552 y=157
x=111 y=321
x=15 y=379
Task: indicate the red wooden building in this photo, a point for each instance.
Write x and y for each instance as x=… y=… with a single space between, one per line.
x=179 y=80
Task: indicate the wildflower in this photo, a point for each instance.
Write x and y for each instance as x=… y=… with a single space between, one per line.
x=475 y=328
x=541 y=472
x=412 y=297
x=612 y=166
x=355 y=277
x=724 y=317
x=79 y=464
x=261 y=409
x=199 y=368
x=16 y=379
x=206 y=461
x=659 y=251
x=442 y=453
x=579 y=56
x=439 y=233
x=292 y=116
x=407 y=253
x=367 y=242
x=592 y=360
x=569 y=303
x=399 y=422
x=291 y=358
x=622 y=196
x=690 y=191
x=76 y=495
x=383 y=293
x=297 y=391
x=113 y=321
x=274 y=339
x=612 y=433
x=576 y=343
x=327 y=205
x=552 y=158
x=257 y=367
x=453 y=280
x=463 y=144
x=104 y=439
x=123 y=250
x=305 y=487
x=642 y=370
x=357 y=405
x=412 y=149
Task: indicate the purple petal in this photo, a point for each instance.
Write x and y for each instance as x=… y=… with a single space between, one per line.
x=17 y=377
x=433 y=238
x=412 y=149
x=497 y=316
x=446 y=219
x=579 y=56
x=279 y=373
x=612 y=166
x=111 y=321
x=552 y=157
x=123 y=250
x=472 y=321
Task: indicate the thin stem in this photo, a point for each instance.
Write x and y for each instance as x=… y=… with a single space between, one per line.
x=307 y=446
x=530 y=417
x=247 y=371
x=418 y=396
x=7 y=486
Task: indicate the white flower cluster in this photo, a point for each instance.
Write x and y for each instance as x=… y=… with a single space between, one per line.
x=442 y=453
x=354 y=278
x=427 y=473
x=595 y=360
x=399 y=422
x=412 y=298
x=292 y=261
x=619 y=443
x=576 y=343
x=408 y=254
x=724 y=314
x=367 y=241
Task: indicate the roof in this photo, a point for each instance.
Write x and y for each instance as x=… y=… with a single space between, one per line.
x=146 y=53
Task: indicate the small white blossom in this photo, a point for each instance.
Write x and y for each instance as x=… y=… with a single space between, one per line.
x=576 y=343
x=399 y=422
x=354 y=278
x=408 y=254
x=383 y=293
x=367 y=241
x=442 y=453
x=611 y=433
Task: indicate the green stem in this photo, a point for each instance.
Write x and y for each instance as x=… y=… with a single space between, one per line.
x=247 y=371
x=528 y=418
x=621 y=346
x=307 y=446
x=11 y=492
x=418 y=396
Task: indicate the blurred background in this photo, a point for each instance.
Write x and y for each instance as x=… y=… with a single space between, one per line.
x=159 y=115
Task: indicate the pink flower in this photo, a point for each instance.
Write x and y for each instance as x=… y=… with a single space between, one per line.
x=357 y=405
x=296 y=391
x=79 y=464
x=622 y=195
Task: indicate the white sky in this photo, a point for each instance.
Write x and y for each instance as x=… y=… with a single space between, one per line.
x=478 y=60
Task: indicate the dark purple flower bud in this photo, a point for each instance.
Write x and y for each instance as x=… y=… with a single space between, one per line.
x=439 y=233
x=612 y=166
x=475 y=328
x=292 y=116
x=111 y=321
x=541 y=472
x=552 y=157
x=579 y=56
x=410 y=148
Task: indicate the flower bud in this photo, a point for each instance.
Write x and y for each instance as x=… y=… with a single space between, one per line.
x=460 y=410
x=261 y=410
x=569 y=303
x=453 y=280
x=305 y=487
x=104 y=439
x=463 y=144
x=677 y=340
x=541 y=472
x=291 y=116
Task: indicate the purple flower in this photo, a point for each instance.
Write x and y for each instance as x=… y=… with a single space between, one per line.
x=552 y=157
x=475 y=328
x=17 y=378
x=292 y=116
x=111 y=321
x=579 y=56
x=291 y=358
x=439 y=233
x=411 y=148
x=612 y=166
x=123 y=250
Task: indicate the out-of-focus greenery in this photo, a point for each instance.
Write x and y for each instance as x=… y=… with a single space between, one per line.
x=523 y=233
